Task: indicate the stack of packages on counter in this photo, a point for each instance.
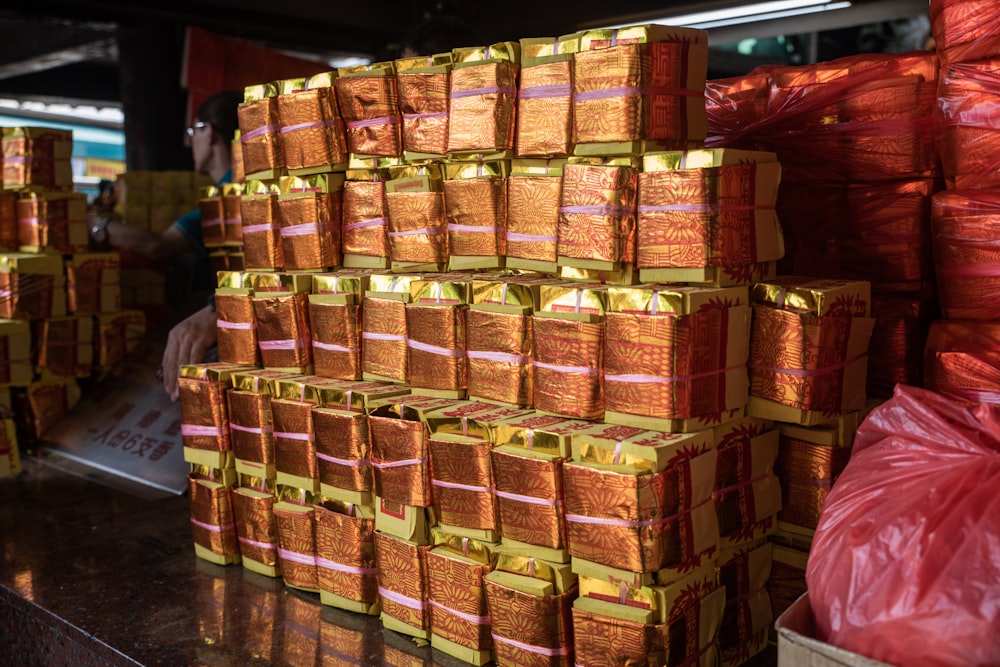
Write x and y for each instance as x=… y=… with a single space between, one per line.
x=855 y=138
x=153 y=200
x=60 y=304
x=961 y=360
x=508 y=363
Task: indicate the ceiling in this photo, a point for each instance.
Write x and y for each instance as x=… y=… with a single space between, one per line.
x=69 y=49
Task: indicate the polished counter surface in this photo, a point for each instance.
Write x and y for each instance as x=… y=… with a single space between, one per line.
x=91 y=575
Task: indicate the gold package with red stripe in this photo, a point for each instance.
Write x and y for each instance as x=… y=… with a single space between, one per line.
x=213 y=217
x=383 y=338
x=462 y=482
x=808 y=349
x=294 y=519
x=476 y=419
x=534 y=189
x=32 y=287
x=8 y=221
x=93 y=282
x=401 y=450
x=236 y=328
x=435 y=334
x=344 y=453
x=401 y=571
x=259 y=132
x=365 y=229
x=674 y=354
x=283 y=332
x=204 y=413
x=312 y=131
x=545 y=96
x=744 y=573
x=52 y=222
x=701 y=210
x=418 y=233
x=369 y=103
x=345 y=557
x=457 y=597
x=212 y=522
x=424 y=84
x=597 y=213
x=483 y=99
x=476 y=209
x=65 y=345
x=250 y=420
x=608 y=104
x=568 y=350
x=309 y=220
x=292 y=403
x=261 y=231
x=256 y=530
x=962 y=360
x=16 y=368
x=37 y=156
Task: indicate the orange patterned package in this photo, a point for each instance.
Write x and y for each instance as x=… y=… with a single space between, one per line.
x=345 y=557
x=964 y=227
x=597 y=214
x=54 y=222
x=32 y=286
x=250 y=421
x=212 y=521
x=545 y=96
x=312 y=131
x=37 y=156
x=8 y=220
x=383 y=337
x=213 y=225
x=969 y=135
x=309 y=222
x=204 y=413
x=64 y=346
x=281 y=314
x=401 y=571
x=93 y=282
x=964 y=29
x=743 y=633
x=235 y=325
x=675 y=357
x=808 y=349
x=962 y=361
x=116 y=335
x=483 y=101
x=895 y=355
x=335 y=321
x=462 y=484
x=232 y=219
x=261 y=231
x=475 y=198
x=259 y=132
x=256 y=530
x=365 y=220
x=296 y=527
x=424 y=84
x=435 y=335
x=534 y=189
x=369 y=103
x=745 y=487
x=460 y=620
x=418 y=233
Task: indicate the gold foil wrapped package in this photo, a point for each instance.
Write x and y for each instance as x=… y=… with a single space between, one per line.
x=213 y=217
x=424 y=85
x=344 y=450
x=212 y=522
x=44 y=402
x=808 y=349
x=232 y=218
x=261 y=231
x=499 y=356
x=236 y=326
x=400 y=455
x=256 y=529
x=93 y=282
x=707 y=208
x=402 y=582
x=65 y=346
x=417 y=227
x=436 y=346
x=310 y=230
x=962 y=30
x=283 y=332
x=365 y=220
x=369 y=103
x=336 y=343
x=533 y=193
x=259 y=132
x=383 y=344
x=297 y=544
x=295 y=440
x=964 y=224
x=462 y=482
x=748 y=615
x=568 y=358
x=32 y=286
x=457 y=600
x=476 y=210
x=597 y=213
x=37 y=156
x=250 y=421
x=52 y=222
x=545 y=106
x=16 y=367
x=312 y=131
x=529 y=496
x=676 y=352
x=8 y=221
x=482 y=106
x=204 y=414
x=345 y=558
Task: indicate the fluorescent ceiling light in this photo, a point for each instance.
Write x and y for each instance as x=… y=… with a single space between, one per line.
x=761 y=11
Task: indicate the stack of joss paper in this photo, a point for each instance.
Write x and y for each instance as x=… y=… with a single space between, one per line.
x=969 y=135
x=37 y=156
x=963 y=31
x=365 y=226
x=310 y=125
x=965 y=259
x=961 y=360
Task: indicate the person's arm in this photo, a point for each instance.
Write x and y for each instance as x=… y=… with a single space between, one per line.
x=186 y=344
x=157 y=247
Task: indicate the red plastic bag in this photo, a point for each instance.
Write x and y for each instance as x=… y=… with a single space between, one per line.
x=905 y=564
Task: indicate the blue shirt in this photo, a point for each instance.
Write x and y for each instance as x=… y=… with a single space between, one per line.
x=189 y=225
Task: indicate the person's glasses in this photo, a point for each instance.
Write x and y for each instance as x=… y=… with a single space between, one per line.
x=197 y=126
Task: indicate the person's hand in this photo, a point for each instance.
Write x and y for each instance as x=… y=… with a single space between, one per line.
x=186 y=344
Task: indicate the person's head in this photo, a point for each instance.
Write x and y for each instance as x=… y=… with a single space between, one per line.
x=212 y=132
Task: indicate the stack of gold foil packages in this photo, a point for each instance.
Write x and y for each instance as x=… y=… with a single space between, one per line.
x=222 y=226
x=855 y=138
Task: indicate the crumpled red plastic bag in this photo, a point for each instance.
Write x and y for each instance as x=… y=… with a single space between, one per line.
x=905 y=563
